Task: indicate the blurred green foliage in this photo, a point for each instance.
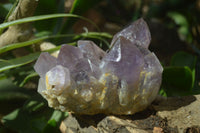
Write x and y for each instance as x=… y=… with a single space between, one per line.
x=179 y=78
x=34 y=116
x=23 y=110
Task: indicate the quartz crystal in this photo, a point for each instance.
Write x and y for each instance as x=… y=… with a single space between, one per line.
x=87 y=80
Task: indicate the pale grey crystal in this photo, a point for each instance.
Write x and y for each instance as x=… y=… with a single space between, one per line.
x=87 y=80
x=84 y=68
x=124 y=60
x=69 y=56
x=91 y=51
x=41 y=85
x=44 y=63
x=57 y=79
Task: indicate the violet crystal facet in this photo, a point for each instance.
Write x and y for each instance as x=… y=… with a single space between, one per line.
x=87 y=80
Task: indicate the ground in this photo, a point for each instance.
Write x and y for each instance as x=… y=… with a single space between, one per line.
x=165 y=115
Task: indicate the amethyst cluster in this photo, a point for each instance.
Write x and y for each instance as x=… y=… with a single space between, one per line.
x=88 y=80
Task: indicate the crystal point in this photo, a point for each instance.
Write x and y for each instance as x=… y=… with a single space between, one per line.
x=91 y=51
x=138 y=33
x=124 y=60
x=68 y=56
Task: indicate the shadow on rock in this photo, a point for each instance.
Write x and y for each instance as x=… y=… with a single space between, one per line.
x=172 y=103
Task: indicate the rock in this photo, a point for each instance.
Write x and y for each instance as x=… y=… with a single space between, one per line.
x=180 y=112
x=166 y=115
x=139 y=123
x=46 y=46
x=157 y=130
x=109 y=124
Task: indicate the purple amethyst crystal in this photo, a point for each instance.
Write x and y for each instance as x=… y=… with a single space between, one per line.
x=87 y=80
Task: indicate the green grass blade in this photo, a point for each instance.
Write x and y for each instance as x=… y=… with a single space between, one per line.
x=98 y=34
x=11 y=10
x=30 y=42
x=34 y=74
x=22 y=44
x=9 y=13
x=41 y=17
x=13 y=63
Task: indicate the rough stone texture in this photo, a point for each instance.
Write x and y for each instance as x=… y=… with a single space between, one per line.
x=182 y=112
x=109 y=124
x=139 y=123
x=166 y=115
x=48 y=45
x=87 y=80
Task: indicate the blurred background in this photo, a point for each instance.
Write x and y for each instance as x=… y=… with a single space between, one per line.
x=175 y=32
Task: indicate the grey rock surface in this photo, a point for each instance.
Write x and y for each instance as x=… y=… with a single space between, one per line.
x=181 y=112
x=166 y=115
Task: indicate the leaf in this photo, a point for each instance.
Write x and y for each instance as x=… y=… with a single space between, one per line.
x=11 y=8
x=183 y=59
x=41 y=17
x=196 y=88
x=51 y=127
x=179 y=78
x=95 y=34
x=177 y=81
x=57 y=115
x=31 y=120
x=180 y=20
x=33 y=105
x=22 y=122
x=162 y=92
x=54 y=120
x=13 y=63
x=9 y=91
x=42 y=33
x=30 y=42
x=22 y=44
x=28 y=77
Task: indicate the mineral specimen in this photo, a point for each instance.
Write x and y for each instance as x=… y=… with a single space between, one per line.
x=87 y=80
